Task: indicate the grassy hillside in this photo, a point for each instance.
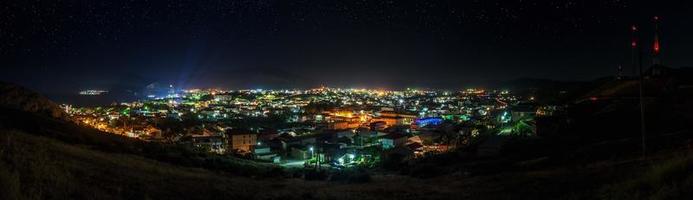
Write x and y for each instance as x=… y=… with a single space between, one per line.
x=38 y=167
x=70 y=133
x=34 y=167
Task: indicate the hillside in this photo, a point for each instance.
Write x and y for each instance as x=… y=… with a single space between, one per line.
x=18 y=97
x=36 y=167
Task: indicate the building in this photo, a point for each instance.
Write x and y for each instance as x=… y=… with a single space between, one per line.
x=393 y=140
x=264 y=153
x=213 y=143
x=522 y=111
x=393 y=118
x=341 y=125
x=145 y=131
x=241 y=140
x=402 y=153
x=378 y=125
x=300 y=152
x=418 y=148
x=423 y=122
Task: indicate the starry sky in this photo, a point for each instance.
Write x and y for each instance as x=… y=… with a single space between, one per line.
x=62 y=46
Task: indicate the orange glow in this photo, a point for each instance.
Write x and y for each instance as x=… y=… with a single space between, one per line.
x=344 y=114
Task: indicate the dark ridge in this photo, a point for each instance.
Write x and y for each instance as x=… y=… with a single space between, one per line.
x=17 y=97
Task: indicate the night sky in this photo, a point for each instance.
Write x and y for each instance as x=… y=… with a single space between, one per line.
x=65 y=46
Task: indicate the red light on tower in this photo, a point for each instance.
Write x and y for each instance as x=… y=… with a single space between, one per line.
x=655 y=45
x=633 y=42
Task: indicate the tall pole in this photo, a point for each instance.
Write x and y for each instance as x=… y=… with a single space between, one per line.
x=656 y=44
x=638 y=53
x=634 y=50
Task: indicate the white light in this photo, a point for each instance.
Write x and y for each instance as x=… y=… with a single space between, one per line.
x=351 y=156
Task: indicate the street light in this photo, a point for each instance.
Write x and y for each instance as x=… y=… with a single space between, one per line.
x=317 y=161
x=311 y=151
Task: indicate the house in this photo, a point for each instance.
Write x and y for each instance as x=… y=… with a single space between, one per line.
x=402 y=153
x=345 y=133
x=430 y=137
x=365 y=137
x=264 y=153
x=267 y=135
x=378 y=125
x=241 y=140
x=393 y=140
x=394 y=118
x=342 y=124
x=300 y=152
x=418 y=148
x=277 y=144
x=261 y=149
x=331 y=152
x=303 y=140
x=145 y=131
x=214 y=143
x=523 y=110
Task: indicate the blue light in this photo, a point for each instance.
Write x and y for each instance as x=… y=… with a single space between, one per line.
x=421 y=122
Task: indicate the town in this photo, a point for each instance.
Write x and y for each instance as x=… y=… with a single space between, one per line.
x=323 y=127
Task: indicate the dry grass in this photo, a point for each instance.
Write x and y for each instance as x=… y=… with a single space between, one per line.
x=38 y=167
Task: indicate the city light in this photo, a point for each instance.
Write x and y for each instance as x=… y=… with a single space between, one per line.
x=358 y=119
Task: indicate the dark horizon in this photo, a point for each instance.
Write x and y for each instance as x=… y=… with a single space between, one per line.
x=61 y=48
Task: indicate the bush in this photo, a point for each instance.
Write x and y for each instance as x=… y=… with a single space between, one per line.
x=312 y=175
x=351 y=176
x=393 y=162
x=361 y=176
x=427 y=170
x=9 y=183
x=671 y=179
